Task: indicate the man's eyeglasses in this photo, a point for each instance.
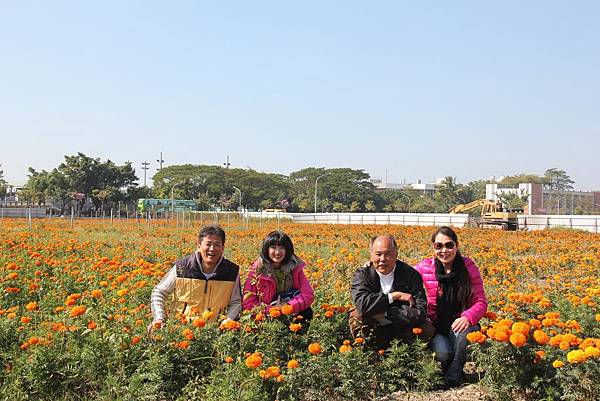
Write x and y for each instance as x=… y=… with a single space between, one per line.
x=438 y=246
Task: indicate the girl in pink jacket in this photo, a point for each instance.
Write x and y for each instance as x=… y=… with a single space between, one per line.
x=455 y=301
x=277 y=278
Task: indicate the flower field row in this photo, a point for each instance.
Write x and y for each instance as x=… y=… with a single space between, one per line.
x=74 y=310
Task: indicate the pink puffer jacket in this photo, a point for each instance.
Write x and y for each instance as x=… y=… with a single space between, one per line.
x=262 y=288
x=477 y=303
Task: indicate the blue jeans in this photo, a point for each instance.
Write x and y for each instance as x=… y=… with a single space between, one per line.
x=451 y=351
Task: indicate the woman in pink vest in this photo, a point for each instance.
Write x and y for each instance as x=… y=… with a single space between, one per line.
x=277 y=278
x=455 y=301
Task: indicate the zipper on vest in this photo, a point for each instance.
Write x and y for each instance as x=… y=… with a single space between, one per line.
x=206 y=286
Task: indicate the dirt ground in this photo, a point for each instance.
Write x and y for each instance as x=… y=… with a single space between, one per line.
x=469 y=392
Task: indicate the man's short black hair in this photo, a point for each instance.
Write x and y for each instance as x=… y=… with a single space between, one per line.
x=211 y=229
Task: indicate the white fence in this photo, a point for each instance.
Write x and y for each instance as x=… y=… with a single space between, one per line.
x=406 y=219
x=34 y=212
x=580 y=222
x=530 y=222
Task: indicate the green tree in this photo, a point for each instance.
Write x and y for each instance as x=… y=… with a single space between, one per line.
x=557 y=181
x=512 y=201
x=449 y=193
x=522 y=178
x=3 y=184
x=338 y=185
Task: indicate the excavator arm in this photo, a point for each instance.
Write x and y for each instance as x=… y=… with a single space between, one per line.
x=471 y=205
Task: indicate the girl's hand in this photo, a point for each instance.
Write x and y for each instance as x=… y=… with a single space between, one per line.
x=461 y=324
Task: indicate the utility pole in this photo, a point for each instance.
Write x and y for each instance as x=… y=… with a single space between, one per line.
x=227 y=164
x=145 y=167
x=160 y=162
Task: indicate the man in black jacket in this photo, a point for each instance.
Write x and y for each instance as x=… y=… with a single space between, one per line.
x=389 y=298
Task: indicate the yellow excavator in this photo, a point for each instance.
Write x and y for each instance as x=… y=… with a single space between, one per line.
x=493 y=214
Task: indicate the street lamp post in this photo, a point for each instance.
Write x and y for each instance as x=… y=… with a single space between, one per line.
x=172 y=197
x=240 y=205
x=316 y=181
x=407 y=197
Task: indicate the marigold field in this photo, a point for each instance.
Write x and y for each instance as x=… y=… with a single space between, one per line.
x=74 y=311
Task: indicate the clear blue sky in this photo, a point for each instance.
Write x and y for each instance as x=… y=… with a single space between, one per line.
x=464 y=89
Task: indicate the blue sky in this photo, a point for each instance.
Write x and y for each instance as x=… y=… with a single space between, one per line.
x=465 y=89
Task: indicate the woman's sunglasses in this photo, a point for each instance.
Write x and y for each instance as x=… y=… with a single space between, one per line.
x=438 y=246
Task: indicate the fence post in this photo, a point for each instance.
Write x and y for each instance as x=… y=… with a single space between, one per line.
x=72 y=217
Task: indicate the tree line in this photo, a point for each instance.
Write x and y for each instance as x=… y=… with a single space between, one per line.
x=82 y=180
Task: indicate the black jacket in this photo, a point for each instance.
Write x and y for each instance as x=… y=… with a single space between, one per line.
x=369 y=300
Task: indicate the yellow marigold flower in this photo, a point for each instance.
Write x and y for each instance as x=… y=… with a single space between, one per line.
x=576 y=356
x=31 y=306
x=558 y=364
x=592 y=352
x=207 y=315
x=292 y=364
x=345 y=348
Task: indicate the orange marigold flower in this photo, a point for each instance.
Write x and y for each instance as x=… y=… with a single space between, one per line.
x=292 y=364
x=359 y=340
x=188 y=334
x=199 y=323
x=259 y=317
x=228 y=359
x=287 y=309
x=254 y=360
x=25 y=319
x=476 y=337
x=520 y=327
x=96 y=293
x=230 y=324
x=183 y=344
x=78 y=311
x=273 y=371
x=92 y=325
x=295 y=327
x=329 y=314
x=135 y=340
x=417 y=330
x=315 y=348
x=541 y=337
x=275 y=312
x=381 y=352
x=31 y=306
x=518 y=339
x=540 y=354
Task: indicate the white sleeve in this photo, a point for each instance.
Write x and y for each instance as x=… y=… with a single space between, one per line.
x=160 y=293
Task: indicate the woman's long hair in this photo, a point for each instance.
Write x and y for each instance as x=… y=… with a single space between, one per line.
x=277 y=238
x=463 y=282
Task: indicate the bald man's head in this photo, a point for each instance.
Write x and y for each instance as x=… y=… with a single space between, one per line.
x=384 y=252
